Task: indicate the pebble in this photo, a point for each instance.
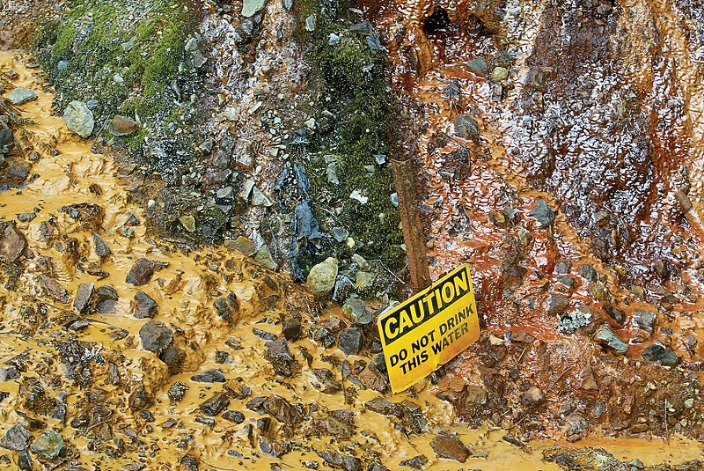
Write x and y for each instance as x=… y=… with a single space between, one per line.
x=16 y=438
x=79 y=118
x=20 y=96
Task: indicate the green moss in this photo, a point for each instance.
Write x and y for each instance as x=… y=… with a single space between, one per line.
x=90 y=40
x=354 y=78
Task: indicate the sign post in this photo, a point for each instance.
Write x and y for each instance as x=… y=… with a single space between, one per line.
x=429 y=329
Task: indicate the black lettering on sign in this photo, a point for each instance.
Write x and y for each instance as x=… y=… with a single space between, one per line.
x=424 y=306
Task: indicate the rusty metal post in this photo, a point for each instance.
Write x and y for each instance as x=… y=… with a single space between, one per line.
x=404 y=178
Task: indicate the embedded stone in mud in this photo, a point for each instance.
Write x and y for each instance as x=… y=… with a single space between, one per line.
x=16 y=438
x=144 y=306
x=83 y=297
x=450 y=447
x=79 y=118
x=156 y=336
x=140 y=273
x=12 y=241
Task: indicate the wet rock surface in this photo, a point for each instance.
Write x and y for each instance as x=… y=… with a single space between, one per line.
x=570 y=256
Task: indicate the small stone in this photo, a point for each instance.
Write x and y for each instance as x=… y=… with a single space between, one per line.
x=16 y=438
x=24 y=461
x=525 y=237
x=310 y=23
x=417 y=462
x=450 y=447
x=340 y=234
x=100 y=247
x=252 y=7
x=466 y=127
x=242 y=245
x=645 y=320
x=292 y=328
x=661 y=353
x=364 y=281
x=478 y=66
x=321 y=279
x=84 y=293
x=333 y=39
x=49 y=444
x=234 y=416
x=351 y=341
x=140 y=273
x=279 y=354
x=616 y=314
x=177 y=391
x=122 y=126
x=357 y=195
x=543 y=213
x=141 y=399
x=264 y=257
x=363 y=29
x=12 y=241
x=53 y=289
x=499 y=74
x=563 y=267
x=174 y=358
x=191 y=45
x=587 y=272
x=214 y=375
x=605 y=335
x=188 y=222
x=557 y=304
x=144 y=306
x=156 y=336
x=26 y=217
x=20 y=96
x=215 y=404
x=259 y=198
x=79 y=118
x=356 y=310
x=533 y=397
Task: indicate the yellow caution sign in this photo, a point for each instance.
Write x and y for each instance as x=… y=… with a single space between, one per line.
x=429 y=329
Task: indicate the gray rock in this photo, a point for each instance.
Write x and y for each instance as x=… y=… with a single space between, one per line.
x=144 y=306
x=101 y=248
x=279 y=354
x=92 y=104
x=191 y=45
x=49 y=444
x=356 y=310
x=543 y=213
x=214 y=375
x=156 y=336
x=350 y=341
x=26 y=217
x=140 y=273
x=587 y=272
x=605 y=335
x=466 y=127
x=242 y=245
x=24 y=461
x=234 y=416
x=661 y=353
x=333 y=40
x=264 y=257
x=557 y=304
x=16 y=439
x=174 y=358
x=177 y=391
x=616 y=314
x=215 y=404
x=645 y=320
x=259 y=198
x=141 y=399
x=343 y=288
x=20 y=96
x=563 y=267
x=363 y=29
x=84 y=293
x=340 y=234
x=478 y=66
x=321 y=279
x=252 y=7
x=79 y=118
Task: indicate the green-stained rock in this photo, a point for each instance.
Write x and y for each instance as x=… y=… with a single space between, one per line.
x=321 y=279
x=79 y=118
x=49 y=444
